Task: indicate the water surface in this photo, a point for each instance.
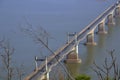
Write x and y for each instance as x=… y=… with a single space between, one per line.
x=57 y=17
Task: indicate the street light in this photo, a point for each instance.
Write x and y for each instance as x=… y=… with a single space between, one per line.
x=46 y=65
x=70 y=35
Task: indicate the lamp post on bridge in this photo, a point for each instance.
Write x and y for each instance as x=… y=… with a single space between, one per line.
x=70 y=35
x=36 y=65
x=76 y=41
x=36 y=60
x=46 y=65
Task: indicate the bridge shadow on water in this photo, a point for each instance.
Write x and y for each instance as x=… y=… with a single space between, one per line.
x=113 y=30
x=73 y=69
x=117 y=20
x=110 y=29
x=90 y=51
x=101 y=40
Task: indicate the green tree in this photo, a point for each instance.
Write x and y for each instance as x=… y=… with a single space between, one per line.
x=82 y=77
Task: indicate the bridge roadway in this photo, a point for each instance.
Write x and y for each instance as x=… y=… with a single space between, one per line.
x=64 y=50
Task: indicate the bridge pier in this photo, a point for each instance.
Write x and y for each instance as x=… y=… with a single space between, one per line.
x=110 y=19
x=90 y=39
x=117 y=11
x=73 y=56
x=101 y=28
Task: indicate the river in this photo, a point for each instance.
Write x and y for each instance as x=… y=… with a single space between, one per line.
x=57 y=17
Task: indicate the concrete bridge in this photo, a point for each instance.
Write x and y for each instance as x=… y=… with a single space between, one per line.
x=70 y=49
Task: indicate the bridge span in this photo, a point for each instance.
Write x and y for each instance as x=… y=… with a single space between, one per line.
x=107 y=17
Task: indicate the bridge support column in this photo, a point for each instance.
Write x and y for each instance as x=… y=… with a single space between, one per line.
x=73 y=56
x=101 y=28
x=47 y=74
x=90 y=39
x=110 y=19
x=45 y=77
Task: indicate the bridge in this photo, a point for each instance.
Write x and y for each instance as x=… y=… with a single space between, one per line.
x=70 y=49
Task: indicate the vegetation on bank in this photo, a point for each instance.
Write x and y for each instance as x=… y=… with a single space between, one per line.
x=83 y=77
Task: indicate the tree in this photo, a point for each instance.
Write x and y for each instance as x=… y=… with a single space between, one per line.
x=38 y=34
x=6 y=52
x=109 y=70
x=20 y=72
x=83 y=77
x=9 y=71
